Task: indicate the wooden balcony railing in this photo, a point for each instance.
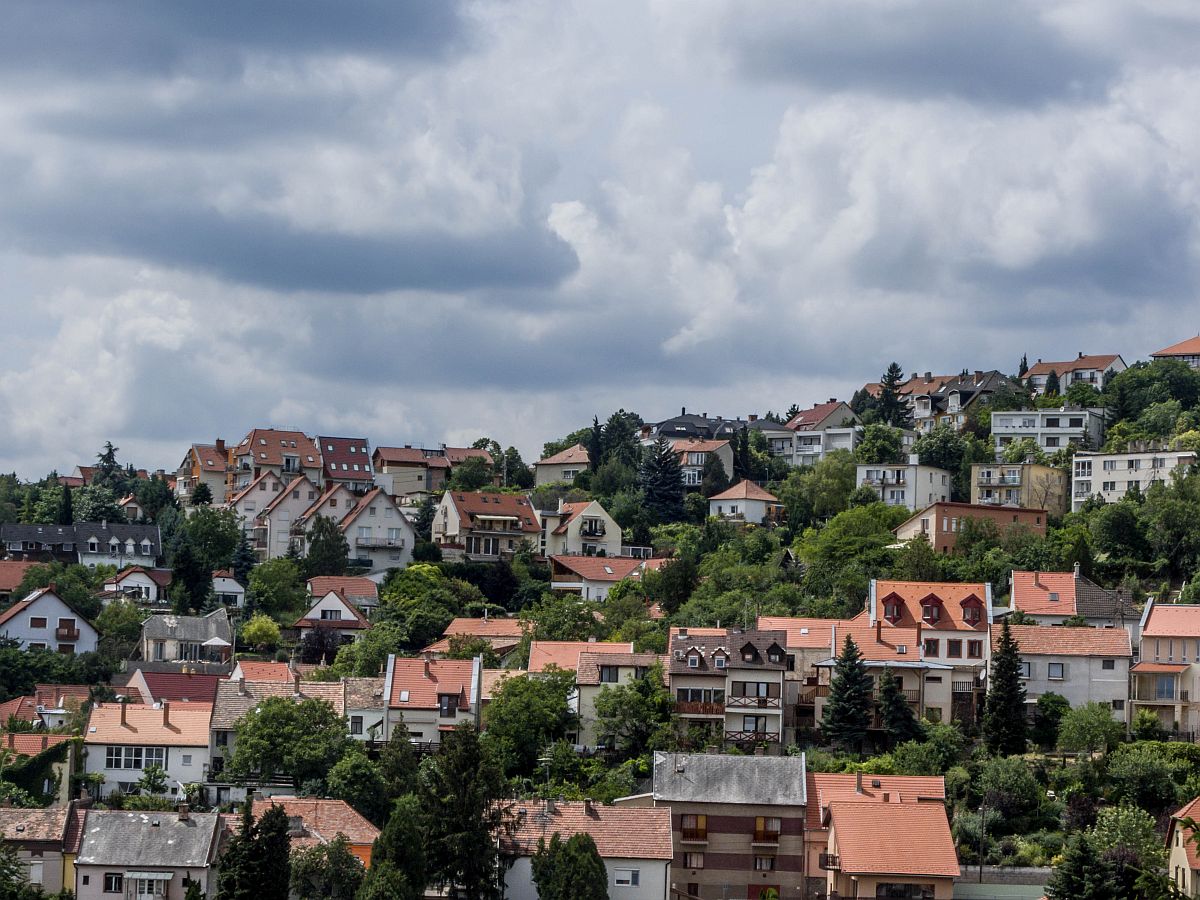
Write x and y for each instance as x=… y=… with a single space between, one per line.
x=963 y=687
x=695 y=708
x=694 y=835
x=66 y=634
x=753 y=702
x=754 y=737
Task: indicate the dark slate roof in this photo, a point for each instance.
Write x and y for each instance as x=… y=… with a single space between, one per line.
x=189 y=628
x=147 y=839
x=722 y=778
x=732 y=643
x=80 y=533
x=1095 y=602
x=691 y=425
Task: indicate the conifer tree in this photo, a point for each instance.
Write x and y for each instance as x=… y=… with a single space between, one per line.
x=237 y=878
x=570 y=869
x=899 y=720
x=891 y=406
x=1004 y=727
x=1082 y=874
x=244 y=561
x=847 y=712
x=399 y=854
x=1024 y=367
x=595 y=444
x=1052 y=385
x=66 y=515
x=202 y=495
x=398 y=762
x=192 y=581
x=272 y=865
x=713 y=479
x=328 y=549
x=661 y=481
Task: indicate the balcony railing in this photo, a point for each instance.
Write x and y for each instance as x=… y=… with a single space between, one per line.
x=753 y=702
x=755 y=737
x=66 y=634
x=695 y=708
x=912 y=695
x=830 y=862
x=999 y=480
x=378 y=542
x=1150 y=693
x=875 y=479
x=766 y=837
x=694 y=835
x=963 y=687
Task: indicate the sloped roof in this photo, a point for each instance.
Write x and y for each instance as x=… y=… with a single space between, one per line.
x=1053 y=640
x=20 y=825
x=1190 y=347
x=802 y=634
x=1145 y=667
x=255 y=670
x=148 y=839
x=347 y=585
x=815 y=415
x=565 y=654
x=588 y=671
x=866 y=836
x=323 y=819
x=1189 y=810
x=186 y=725
x=721 y=778
x=1099 y=362
x=600 y=568
x=729 y=644
x=885 y=647
x=951 y=595
x=336 y=451
x=31 y=743
x=209 y=458
x=268 y=446
x=826 y=787
x=458 y=455
x=745 y=490
x=489 y=627
x=569 y=512
x=445 y=676
x=234 y=700
x=1165 y=620
x=576 y=455
x=181 y=686
x=29 y=602
x=697 y=445
x=55 y=696
x=12 y=573
x=296 y=484
x=1031 y=593
x=356 y=621
x=161 y=577
x=365 y=501
x=189 y=628
x=24 y=708
x=365 y=693
x=473 y=504
x=620 y=832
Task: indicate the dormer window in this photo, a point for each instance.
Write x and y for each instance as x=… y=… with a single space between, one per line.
x=893 y=610
x=693 y=661
x=931 y=610
x=129 y=547
x=93 y=546
x=720 y=661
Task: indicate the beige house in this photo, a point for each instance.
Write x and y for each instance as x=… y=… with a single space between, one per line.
x=746 y=503
x=275 y=525
x=584 y=529
x=203 y=464
x=909 y=484
x=809 y=642
x=432 y=695
x=595 y=672
x=1183 y=855
x=1085 y=665
x=38 y=837
x=1030 y=485
x=284 y=454
x=481 y=525
x=252 y=499
x=693 y=454
x=1166 y=678
x=562 y=466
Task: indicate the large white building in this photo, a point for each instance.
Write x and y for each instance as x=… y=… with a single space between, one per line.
x=1085 y=665
x=910 y=484
x=1111 y=475
x=1052 y=429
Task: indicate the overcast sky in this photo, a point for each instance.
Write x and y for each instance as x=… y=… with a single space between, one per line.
x=427 y=221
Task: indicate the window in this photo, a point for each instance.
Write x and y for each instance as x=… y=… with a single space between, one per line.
x=1026 y=669
x=114 y=883
x=187 y=759
x=447 y=705
x=755 y=724
x=37 y=621
x=931 y=612
x=150 y=887
x=975 y=649
x=1118 y=705
x=954 y=649
x=626 y=877
x=608 y=674
x=932 y=647
x=972 y=614
x=1108 y=664
x=1054 y=671
x=693 y=860
x=891 y=611
x=331 y=615
x=764 y=864
x=720 y=661
x=694 y=827
x=356 y=724
x=766 y=829
x=693 y=661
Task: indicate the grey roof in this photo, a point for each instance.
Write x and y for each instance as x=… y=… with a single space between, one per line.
x=80 y=532
x=718 y=778
x=732 y=643
x=147 y=839
x=364 y=693
x=235 y=700
x=1095 y=602
x=189 y=628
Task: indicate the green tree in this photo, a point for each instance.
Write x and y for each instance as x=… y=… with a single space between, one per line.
x=1047 y=717
x=272 y=854
x=661 y=482
x=385 y=882
x=261 y=632
x=1052 y=384
x=366 y=657
x=191 y=582
x=570 y=869
x=153 y=781
x=1132 y=830
x=202 y=495
x=326 y=871
x=892 y=407
x=120 y=627
x=75 y=584
x=328 y=549
x=847 y=713
x=282 y=737
x=471 y=474
x=916 y=560
x=621 y=439
x=899 y=720
x=1081 y=874
x=1088 y=728
x=244 y=561
x=713 y=479
x=96 y=503
x=822 y=491
x=528 y=714
x=424 y=523
x=277 y=587
x=633 y=718
x=215 y=535
x=360 y=782
x=880 y=444
x=399 y=867
x=398 y=762
x=1004 y=728
x=153 y=496
x=66 y=511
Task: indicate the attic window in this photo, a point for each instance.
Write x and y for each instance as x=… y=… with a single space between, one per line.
x=608 y=570
x=404 y=696
x=262 y=456
x=931 y=613
x=892 y=611
x=329 y=448
x=1054 y=596
x=971 y=614
x=720 y=661
x=309 y=458
x=693 y=661
x=901 y=649
x=262 y=442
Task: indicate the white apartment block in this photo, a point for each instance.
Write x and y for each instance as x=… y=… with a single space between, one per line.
x=1053 y=429
x=1111 y=475
x=810 y=447
x=910 y=484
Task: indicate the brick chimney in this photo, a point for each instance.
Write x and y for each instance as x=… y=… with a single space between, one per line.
x=166 y=714
x=428 y=659
x=123 y=722
x=220 y=445
x=296 y=683
x=858 y=789
x=183 y=812
x=878 y=631
x=242 y=686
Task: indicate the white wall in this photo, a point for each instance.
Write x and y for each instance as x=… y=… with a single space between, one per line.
x=178 y=770
x=51 y=608
x=653 y=879
x=1085 y=680
x=224 y=585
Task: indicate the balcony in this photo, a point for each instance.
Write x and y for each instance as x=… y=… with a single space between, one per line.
x=999 y=480
x=753 y=702
x=1151 y=693
x=770 y=838
x=752 y=737
x=695 y=708
x=897 y=481
x=810 y=694
x=66 y=634
x=694 y=835
x=964 y=687
x=912 y=695
x=596 y=530
x=378 y=542
x=830 y=862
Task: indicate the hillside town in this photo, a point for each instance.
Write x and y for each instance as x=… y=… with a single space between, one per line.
x=940 y=638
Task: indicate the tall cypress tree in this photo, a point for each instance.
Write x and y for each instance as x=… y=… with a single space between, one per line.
x=1052 y=384
x=244 y=561
x=595 y=445
x=237 y=878
x=66 y=515
x=570 y=869
x=847 y=712
x=328 y=549
x=899 y=721
x=401 y=845
x=1024 y=367
x=892 y=408
x=272 y=866
x=661 y=480
x=1004 y=727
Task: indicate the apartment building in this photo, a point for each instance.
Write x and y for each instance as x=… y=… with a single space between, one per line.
x=597 y=671
x=284 y=454
x=1111 y=475
x=1051 y=429
x=909 y=484
x=821 y=429
x=1085 y=665
x=483 y=525
x=1030 y=485
x=206 y=464
x=347 y=461
x=940 y=523
x=1166 y=677
x=380 y=536
x=1095 y=370
x=952 y=401
x=410 y=471
x=583 y=528
x=693 y=455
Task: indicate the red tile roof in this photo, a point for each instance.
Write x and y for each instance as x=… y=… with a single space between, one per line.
x=186 y=725
x=335 y=451
x=807 y=418
x=1054 y=640
x=1190 y=347
x=826 y=787
x=866 y=838
x=349 y=586
x=569 y=512
x=43 y=825
x=445 y=676
x=745 y=490
x=253 y=670
x=1099 y=363
x=12 y=573
x=588 y=671
x=576 y=455
x=1031 y=593
x=1157 y=668
x=489 y=627
x=161 y=577
x=600 y=568
x=267 y=446
x=54 y=695
x=458 y=455
x=356 y=621
x=1190 y=810
x=565 y=654
x=884 y=649
x=193 y=688
x=684 y=446
x=24 y=708
x=473 y=504
x=400 y=455
x=31 y=743
x=323 y=819
x=675 y=631
x=620 y=832
x=951 y=595
x=209 y=458
x=1167 y=620
x=802 y=634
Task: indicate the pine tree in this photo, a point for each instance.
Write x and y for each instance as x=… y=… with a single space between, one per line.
x=202 y=495
x=398 y=762
x=328 y=549
x=570 y=869
x=847 y=712
x=793 y=411
x=424 y=523
x=595 y=445
x=385 y=882
x=1082 y=874
x=742 y=466
x=402 y=844
x=661 y=481
x=891 y=406
x=244 y=561
x=271 y=862
x=897 y=716
x=621 y=438
x=237 y=879
x=192 y=581
x=1024 y=367
x=66 y=515
x=1052 y=385
x=1004 y=727
x=713 y=479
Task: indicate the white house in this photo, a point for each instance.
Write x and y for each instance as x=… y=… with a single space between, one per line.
x=580 y=528
x=592 y=577
x=44 y=621
x=1095 y=370
x=227 y=589
x=333 y=504
x=634 y=842
x=693 y=455
x=273 y=527
x=746 y=502
x=378 y=533
x=910 y=484
x=253 y=498
x=432 y=695
x=1085 y=665
x=1051 y=429
x=142 y=586
x=1111 y=475
x=333 y=612
x=123 y=739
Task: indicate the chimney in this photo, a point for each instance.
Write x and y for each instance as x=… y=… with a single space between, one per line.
x=858 y=784
x=220 y=445
x=183 y=812
x=587 y=805
x=1037 y=581
x=887 y=797
x=242 y=686
x=296 y=682
x=1076 y=571
x=166 y=714
x=123 y=722
x=1080 y=355
x=52 y=587
x=427 y=660
x=929 y=376
x=683 y=410
x=833 y=399
x=879 y=631
x=752 y=417
x=683 y=632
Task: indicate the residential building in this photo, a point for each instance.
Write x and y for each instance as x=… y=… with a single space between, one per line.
x=362 y=592
x=59 y=758
x=315 y=821
x=203 y=464
x=832 y=414
x=583 y=528
x=366 y=708
x=1031 y=485
x=634 y=843
x=908 y=484
x=746 y=503
x=693 y=455
x=821 y=429
x=87 y=543
x=253 y=670
x=1183 y=853
x=44 y=621
x=1051 y=429
x=595 y=672
x=173 y=687
x=951 y=402
x=252 y=499
x=780 y=439
x=592 y=577
x=1095 y=370
x=38 y=837
x=1110 y=476
x=284 y=454
x=914 y=384
x=172 y=638
x=145 y=587
x=12 y=573
x=689 y=425
x=347 y=461
x=380 y=536
x=143 y=855
x=333 y=504
x=275 y=532
x=51 y=705
x=565 y=654
x=227 y=590
x=1185 y=351
x=809 y=642
x=503 y=634
x=731 y=684
x=335 y=613
x=1166 y=677
x=481 y=525
x=410 y=471
x=940 y=523
x=1050 y=598
x=132 y=510
x=1085 y=665
x=432 y=695
x=122 y=739
x=562 y=466
x=737 y=822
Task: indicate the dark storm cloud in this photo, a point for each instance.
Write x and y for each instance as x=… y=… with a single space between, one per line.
x=974 y=49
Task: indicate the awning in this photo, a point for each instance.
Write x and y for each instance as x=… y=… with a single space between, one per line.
x=215 y=642
x=151 y=876
x=1157 y=668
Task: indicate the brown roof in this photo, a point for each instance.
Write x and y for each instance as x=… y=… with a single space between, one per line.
x=190 y=687
x=253 y=670
x=356 y=621
x=588 y=671
x=209 y=458
x=1190 y=347
x=457 y=455
x=336 y=451
x=267 y=446
x=729 y=644
x=620 y=832
x=12 y=573
x=807 y=418
x=745 y=490
x=186 y=725
x=24 y=708
x=471 y=504
x=600 y=568
x=1100 y=363
x=866 y=835
x=697 y=445
x=364 y=693
x=802 y=634
x=161 y=577
x=323 y=819
x=1164 y=620
x=445 y=676
x=565 y=654
x=572 y=455
x=1053 y=640
x=31 y=743
x=951 y=594
x=20 y=825
x=826 y=787
x=1157 y=668
x=234 y=701
x=489 y=627
x=569 y=512
x=401 y=455
x=55 y=696
x=347 y=585
x=1190 y=810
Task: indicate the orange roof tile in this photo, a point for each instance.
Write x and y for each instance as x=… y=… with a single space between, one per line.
x=489 y=627
x=1169 y=620
x=445 y=676
x=807 y=418
x=1190 y=347
x=493 y=680
x=1190 y=810
x=457 y=455
x=600 y=568
x=576 y=455
x=35 y=824
x=254 y=670
x=620 y=832
x=12 y=573
x=268 y=446
x=1054 y=640
x=697 y=445
x=826 y=787
x=745 y=490
x=1031 y=593
x=186 y=725
x=31 y=743
x=209 y=458
x=803 y=634
x=323 y=819
x=182 y=686
x=951 y=594
x=565 y=654
x=1157 y=668
x=884 y=649
x=1099 y=362
x=676 y=631
x=24 y=708
x=865 y=833
x=473 y=504
x=347 y=585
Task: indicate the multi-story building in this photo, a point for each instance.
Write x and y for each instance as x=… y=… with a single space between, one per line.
x=123 y=739
x=1051 y=429
x=1050 y=598
x=940 y=523
x=731 y=685
x=1183 y=853
x=484 y=525
x=410 y=471
x=1185 y=351
x=44 y=621
x=592 y=577
x=821 y=429
x=38 y=836
x=780 y=439
x=562 y=466
x=693 y=454
x=252 y=499
x=809 y=642
x=347 y=461
x=909 y=484
x=87 y=543
x=333 y=613
x=172 y=638
x=746 y=503
x=737 y=823
x=584 y=528
x=1111 y=475
x=274 y=531
x=145 y=587
x=595 y=672
x=1085 y=665
x=1031 y=485
x=952 y=401
x=1166 y=677
x=1095 y=370
x=379 y=534
x=432 y=695
x=204 y=464
x=285 y=454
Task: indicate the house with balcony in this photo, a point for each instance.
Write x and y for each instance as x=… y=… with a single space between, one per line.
x=820 y=429
x=952 y=401
x=44 y=621
x=145 y=587
x=410 y=471
x=1050 y=598
x=730 y=684
x=380 y=536
x=584 y=528
x=1110 y=476
x=809 y=641
x=1187 y=352
x=251 y=500
x=432 y=695
x=227 y=590
x=275 y=529
x=940 y=523
x=347 y=461
x=333 y=504
x=284 y=454
x=1051 y=429
x=1095 y=370
x=908 y=484
x=1031 y=485
x=737 y=823
x=1085 y=665
x=362 y=592
x=693 y=455
x=561 y=467
x=123 y=739
x=592 y=577
x=746 y=504
x=172 y=638
x=1166 y=677
x=693 y=425
x=203 y=464
x=503 y=634
x=779 y=438
x=334 y=613
x=595 y=672
x=481 y=525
